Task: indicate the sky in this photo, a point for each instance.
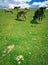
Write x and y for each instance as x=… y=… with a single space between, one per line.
x=23 y=3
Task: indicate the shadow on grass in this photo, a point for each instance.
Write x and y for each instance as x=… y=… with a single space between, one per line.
x=19 y=20
x=34 y=22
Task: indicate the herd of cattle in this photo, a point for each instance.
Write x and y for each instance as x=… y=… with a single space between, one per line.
x=39 y=13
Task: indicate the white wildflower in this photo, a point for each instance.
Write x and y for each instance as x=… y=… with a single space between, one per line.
x=19 y=62
x=29 y=52
x=20 y=57
x=4 y=51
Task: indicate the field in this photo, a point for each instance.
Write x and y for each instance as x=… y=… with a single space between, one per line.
x=23 y=42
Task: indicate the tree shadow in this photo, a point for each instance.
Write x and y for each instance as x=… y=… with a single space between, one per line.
x=34 y=22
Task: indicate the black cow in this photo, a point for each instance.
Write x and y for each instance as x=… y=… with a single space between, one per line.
x=17 y=7
x=39 y=14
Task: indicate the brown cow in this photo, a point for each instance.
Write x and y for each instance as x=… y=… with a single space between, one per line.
x=8 y=10
x=22 y=13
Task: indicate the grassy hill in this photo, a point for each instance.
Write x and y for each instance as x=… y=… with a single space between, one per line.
x=23 y=42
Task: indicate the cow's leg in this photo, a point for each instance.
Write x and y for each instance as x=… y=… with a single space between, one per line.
x=44 y=15
x=39 y=18
x=11 y=12
x=24 y=16
x=17 y=9
x=18 y=15
x=5 y=11
x=34 y=17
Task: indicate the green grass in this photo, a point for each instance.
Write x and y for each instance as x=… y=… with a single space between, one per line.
x=30 y=40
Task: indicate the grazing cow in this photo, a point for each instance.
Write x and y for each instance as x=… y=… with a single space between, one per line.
x=22 y=13
x=8 y=10
x=27 y=9
x=39 y=14
x=17 y=7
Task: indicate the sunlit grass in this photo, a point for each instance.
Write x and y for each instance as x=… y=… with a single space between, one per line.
x=29 y=40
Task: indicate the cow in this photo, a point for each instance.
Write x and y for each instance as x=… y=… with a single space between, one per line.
x=39 y=13
x=17 y=7
x=22 y=13
x=8 y=11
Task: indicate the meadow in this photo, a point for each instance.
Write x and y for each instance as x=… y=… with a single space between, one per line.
x=23 y=42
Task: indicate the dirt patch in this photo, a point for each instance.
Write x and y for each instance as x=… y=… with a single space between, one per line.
x=8 y=50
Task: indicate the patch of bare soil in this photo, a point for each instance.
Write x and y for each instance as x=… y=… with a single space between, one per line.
x=8 y=49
